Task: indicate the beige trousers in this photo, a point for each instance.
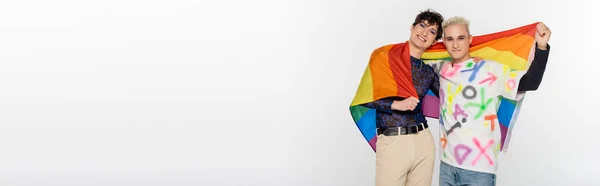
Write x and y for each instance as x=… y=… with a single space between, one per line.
x=405 y=160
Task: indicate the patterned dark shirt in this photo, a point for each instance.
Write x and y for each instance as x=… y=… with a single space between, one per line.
x=424 y=78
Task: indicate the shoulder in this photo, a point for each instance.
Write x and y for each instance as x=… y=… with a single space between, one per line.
x=385 y=49
x=494 y=65
x=435 y=65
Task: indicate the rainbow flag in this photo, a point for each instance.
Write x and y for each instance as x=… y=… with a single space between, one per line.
x=388 y=75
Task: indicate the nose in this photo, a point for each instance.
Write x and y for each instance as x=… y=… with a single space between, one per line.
x=455 y=45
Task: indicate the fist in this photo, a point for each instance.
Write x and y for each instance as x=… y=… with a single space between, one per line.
x=542 y=35
x=406 y=104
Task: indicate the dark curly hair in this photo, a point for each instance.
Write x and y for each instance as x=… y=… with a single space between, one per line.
x=433 y=18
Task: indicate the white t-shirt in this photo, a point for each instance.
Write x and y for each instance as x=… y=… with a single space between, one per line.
x=469 y=95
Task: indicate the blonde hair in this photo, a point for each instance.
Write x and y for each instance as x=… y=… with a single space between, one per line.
x=456 y=20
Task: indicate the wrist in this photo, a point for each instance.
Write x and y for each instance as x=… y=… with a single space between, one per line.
x=543 y=47
x=393 y=106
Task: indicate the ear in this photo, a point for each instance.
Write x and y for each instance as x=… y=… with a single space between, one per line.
x=470 y=39
x=411 y=27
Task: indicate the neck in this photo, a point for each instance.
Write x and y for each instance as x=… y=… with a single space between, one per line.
x=467 y=57
x=414 y=51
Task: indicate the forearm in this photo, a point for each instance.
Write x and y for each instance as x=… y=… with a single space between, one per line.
x=383 y=105
x=533 y=78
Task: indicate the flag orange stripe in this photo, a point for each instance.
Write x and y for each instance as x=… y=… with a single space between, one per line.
x=382 y=74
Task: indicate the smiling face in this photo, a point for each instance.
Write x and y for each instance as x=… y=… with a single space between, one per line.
x=423 y=35
x=457 y=41
x=425 y=30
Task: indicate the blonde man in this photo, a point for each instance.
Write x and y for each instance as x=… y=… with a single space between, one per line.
x=468 y=154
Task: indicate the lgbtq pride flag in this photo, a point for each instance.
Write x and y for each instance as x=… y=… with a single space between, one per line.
x=388 y=75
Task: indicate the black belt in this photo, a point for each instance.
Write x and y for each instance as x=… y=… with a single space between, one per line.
x=394 y=131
